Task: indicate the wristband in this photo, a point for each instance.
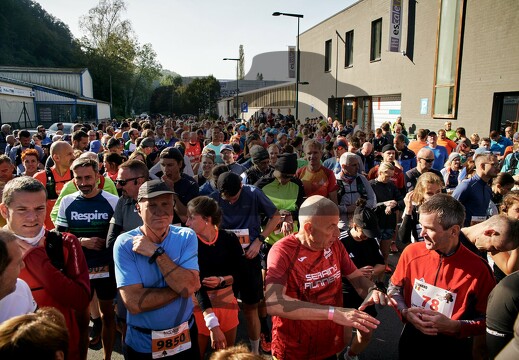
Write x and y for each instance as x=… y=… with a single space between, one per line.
x=261 y=238
x=211 y=321
x=331 y=310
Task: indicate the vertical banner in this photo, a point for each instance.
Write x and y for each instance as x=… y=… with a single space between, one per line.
x=292 y=62
x=395 y=25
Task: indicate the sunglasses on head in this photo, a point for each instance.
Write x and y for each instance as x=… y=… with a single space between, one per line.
x=124 y=182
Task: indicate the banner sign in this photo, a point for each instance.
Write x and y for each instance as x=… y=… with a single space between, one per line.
x=292 y=62
x=395 y=25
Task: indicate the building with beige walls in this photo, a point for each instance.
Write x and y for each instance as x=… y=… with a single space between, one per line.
x=457 y=61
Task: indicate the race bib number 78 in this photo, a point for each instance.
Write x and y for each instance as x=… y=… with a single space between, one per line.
x=427 y=296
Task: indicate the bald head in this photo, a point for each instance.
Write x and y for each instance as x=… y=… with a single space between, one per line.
x=497 y=234
x=425 y=153
x=58 y=147
x=316 y=206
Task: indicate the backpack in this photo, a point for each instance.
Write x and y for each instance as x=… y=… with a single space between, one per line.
x=361 y=189
x=513 y=163
x=54 y=249
x=18 y=159
x=51 y=184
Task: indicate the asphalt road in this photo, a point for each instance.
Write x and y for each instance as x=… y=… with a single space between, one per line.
x=383 y=345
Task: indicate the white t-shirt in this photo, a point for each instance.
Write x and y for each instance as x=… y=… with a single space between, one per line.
x=19 y=302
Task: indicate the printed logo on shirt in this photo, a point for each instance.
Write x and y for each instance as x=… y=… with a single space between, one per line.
x=322 y=278
x=327 y=253
x=74 y=215
x=302 y=258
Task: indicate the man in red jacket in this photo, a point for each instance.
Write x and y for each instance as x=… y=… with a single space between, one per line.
x=441 y=287
x=59 y=281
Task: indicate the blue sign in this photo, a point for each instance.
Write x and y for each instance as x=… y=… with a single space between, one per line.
x=244 y=107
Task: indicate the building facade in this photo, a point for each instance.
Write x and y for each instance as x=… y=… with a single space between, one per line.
x=456 y=62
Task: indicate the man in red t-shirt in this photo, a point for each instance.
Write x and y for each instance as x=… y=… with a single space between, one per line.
x=303 y=287
x=62 y=154
x=317 y=179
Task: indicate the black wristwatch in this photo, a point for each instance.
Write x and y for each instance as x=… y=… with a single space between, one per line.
x=261 y=238
x=156 y=254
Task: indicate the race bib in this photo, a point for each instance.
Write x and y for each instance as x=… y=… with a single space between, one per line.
x=427 y=296
x=243 y=236
x=171 y=341
x=99 y=272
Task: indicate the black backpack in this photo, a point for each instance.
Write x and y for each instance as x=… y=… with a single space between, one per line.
x=360 y=189
x=51 y=184
x=513 y=163
x=18 y=159
x=54 y=249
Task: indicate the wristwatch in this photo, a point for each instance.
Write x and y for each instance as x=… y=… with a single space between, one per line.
x=222 y=281
x=261 y=238
x=156 y=254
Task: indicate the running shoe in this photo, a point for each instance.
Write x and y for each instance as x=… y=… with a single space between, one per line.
x=95 y=332
x=265 y=343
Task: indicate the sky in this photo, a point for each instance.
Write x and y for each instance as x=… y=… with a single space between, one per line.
x=191 y=37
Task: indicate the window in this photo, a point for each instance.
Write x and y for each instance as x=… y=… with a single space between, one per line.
x=376 y=39
x=348 y=56
x=450 y=23
x=328 y=55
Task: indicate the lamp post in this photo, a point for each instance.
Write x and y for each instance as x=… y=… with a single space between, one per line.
x=298 y=61
x=237 y=88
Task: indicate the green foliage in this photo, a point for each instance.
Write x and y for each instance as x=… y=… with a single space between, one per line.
x=114 y=53
x=29 y=36
x=199 y=97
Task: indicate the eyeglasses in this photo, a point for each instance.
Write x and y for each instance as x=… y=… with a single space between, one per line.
x=122 y=182
x=427 y=160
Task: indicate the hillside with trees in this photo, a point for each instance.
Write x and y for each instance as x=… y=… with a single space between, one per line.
x=29 y=36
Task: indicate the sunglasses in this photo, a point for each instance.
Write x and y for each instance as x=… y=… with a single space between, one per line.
x=124 y=182
x=428 y=160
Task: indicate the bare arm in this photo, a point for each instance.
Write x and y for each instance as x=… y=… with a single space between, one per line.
x=139 y=299
x=279 y=304
x=183 y=281
x=508 y=262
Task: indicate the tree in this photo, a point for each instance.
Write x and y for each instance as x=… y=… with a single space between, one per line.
x=241 y=65
x=113 y=52
x=201 y=96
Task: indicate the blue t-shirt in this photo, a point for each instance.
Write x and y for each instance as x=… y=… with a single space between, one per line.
x=245 y=212
x=475 y=195
x=181 y=246
x=440 y=156
x=86 y=217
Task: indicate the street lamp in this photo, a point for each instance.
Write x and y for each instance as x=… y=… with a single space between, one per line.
x=237 y=88
x=298 y=16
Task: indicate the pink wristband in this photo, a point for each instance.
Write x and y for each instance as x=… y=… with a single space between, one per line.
x=331 y=310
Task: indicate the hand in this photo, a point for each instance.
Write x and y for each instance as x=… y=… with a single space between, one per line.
x=287 y=228
x=377 y=297
x=143 y=246
x=218 y=340
x=441 y=322
x=367 y=271
x=415 y=317
x=93 y=243
x=388 y=210
x=253 y=249
x=408 y=201
x=170 y=183
x=355 y=318
x=211 y=282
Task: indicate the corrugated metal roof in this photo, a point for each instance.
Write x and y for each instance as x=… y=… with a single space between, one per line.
x=43 y=70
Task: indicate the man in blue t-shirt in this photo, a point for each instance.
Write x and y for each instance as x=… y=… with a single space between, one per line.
x=243 y=207
x=156 y=268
